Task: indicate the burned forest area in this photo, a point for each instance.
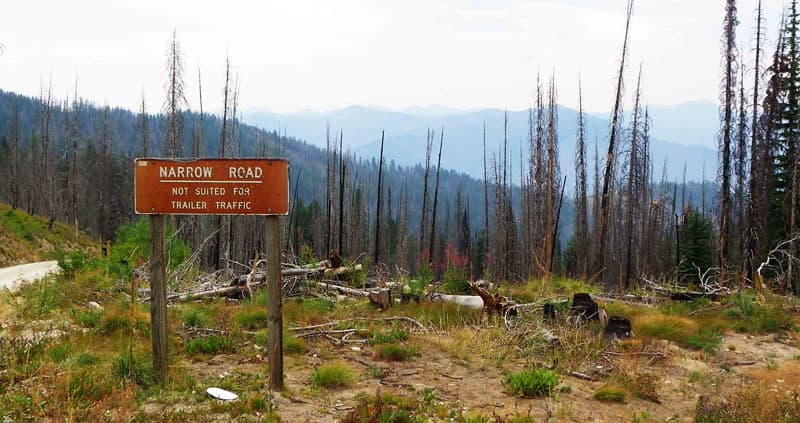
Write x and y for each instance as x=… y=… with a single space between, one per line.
x=600 y=288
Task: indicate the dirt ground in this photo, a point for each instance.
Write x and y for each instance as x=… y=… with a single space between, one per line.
x=475 y=386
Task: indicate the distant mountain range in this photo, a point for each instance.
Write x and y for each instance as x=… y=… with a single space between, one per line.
x=683 y=135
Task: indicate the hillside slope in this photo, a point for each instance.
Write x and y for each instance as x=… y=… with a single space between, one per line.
x=25 y=238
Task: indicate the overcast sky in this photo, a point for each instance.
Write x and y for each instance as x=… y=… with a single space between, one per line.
x=297 y=54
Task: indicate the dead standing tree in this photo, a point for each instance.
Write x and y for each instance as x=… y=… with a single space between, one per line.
x=175 y=101
x=424 y=213
x=377 y=256
x=581 y=218
x=756 y=200
x=728 y=104
x=602 y=224
x=435 y=200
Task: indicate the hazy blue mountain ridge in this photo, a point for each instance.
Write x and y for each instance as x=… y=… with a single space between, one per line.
x=681 y=135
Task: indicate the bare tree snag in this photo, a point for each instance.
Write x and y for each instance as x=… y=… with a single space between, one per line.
x=609 y=169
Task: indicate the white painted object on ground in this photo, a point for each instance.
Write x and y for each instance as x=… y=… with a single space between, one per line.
x=222 y=394
x=468 y=301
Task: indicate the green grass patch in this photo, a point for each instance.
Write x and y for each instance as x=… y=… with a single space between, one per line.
x=655 y=325
x=394 y=335
x=194 y=317
x=749 y=316
x=396 y=352
x=40 y=298
x=209 y=345
x=90 y=319
x=441 y=315
x=59 y=353
x=707 y=340
x=291 y=343
x=88 y=386
x=84 y=359
x=252 y=320
x=307 y=311
x=21 y=224
x=130 y=367
x=610 y=394
x=332 y=376
x=532 y=383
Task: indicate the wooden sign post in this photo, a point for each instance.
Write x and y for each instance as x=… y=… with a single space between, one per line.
x=158 y=295
x=212 y=187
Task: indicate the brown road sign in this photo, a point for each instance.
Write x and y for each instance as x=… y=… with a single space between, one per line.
x=212 y=186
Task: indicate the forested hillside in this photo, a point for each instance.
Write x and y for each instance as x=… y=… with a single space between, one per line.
x=72 y=161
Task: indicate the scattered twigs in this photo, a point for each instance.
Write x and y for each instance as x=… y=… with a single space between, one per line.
x=363 y=319
x=711 y=290
x=341 y=336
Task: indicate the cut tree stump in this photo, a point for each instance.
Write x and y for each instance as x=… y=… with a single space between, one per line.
x=381 y=298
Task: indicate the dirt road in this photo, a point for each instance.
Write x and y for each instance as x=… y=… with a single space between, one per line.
x=12 y=277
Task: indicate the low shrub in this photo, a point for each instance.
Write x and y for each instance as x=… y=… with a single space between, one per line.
x=532 y=383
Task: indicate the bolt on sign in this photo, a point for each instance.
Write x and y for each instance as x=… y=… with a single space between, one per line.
x=212 y=186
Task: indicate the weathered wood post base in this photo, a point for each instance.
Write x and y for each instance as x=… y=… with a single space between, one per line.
x=158 y=294
x=274 y=300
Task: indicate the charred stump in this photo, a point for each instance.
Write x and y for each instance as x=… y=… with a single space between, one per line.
x=584 y=307
x=618 y=327
x=549 y=312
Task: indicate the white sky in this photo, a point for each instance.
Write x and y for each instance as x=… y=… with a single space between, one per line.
x=299 y=54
